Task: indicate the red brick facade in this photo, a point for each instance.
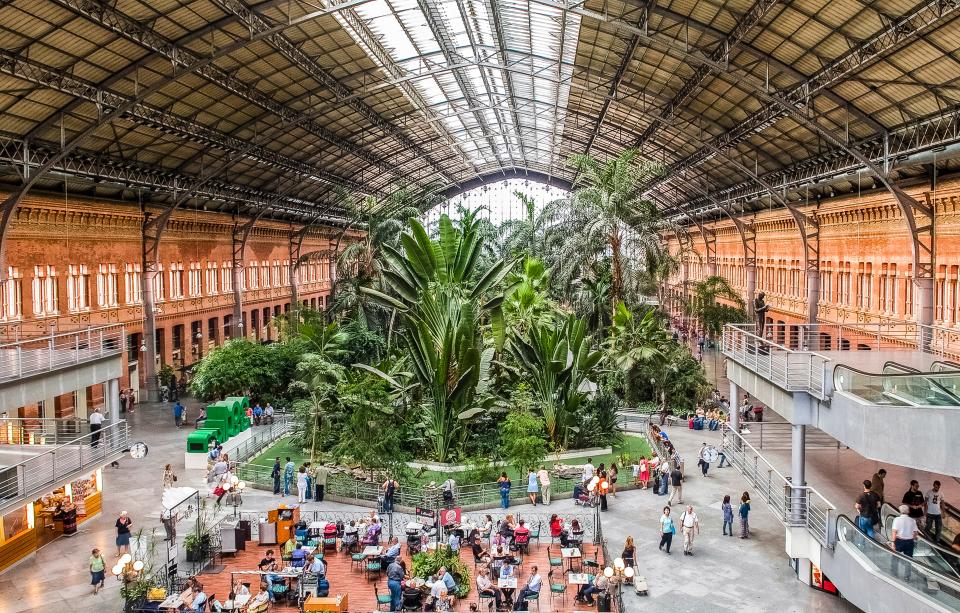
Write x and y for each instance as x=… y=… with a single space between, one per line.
x=866 y=263
x=77 y=263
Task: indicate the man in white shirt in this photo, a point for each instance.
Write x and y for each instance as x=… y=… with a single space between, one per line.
x=934 y=523
x=268 y=414
x=449 y=490
x=544 y=478
x=588 y=470
x=903 y=533
x=96 y=422
x=691 y=527
x=532 y=587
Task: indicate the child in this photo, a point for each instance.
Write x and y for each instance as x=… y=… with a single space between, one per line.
x=727 y=516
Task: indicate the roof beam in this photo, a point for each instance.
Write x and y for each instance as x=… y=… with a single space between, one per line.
x=438 y=28
x=256 y=23
x=753 y=17
x=493 y=6
x=614 y=86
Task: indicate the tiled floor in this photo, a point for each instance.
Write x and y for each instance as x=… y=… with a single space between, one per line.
x=344 y=579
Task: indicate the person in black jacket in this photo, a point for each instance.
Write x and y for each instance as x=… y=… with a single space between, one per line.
x=276 y=476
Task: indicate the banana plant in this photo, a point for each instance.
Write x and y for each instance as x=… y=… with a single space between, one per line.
x=437 y=290
x=557 y=361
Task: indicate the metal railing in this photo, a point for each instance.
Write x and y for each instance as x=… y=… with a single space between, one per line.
x=778 y=435
x=409 y=496
x=905 y=571
x=48 y=353
x=889 y=335
x=37 y=475
x=793 y=505
x=800 y=371
x=263 y=437
x=41 y=430
x=927 y=553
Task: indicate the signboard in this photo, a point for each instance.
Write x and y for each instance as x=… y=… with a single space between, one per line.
x=450 y=517
x=820 y=581
x=427 y=517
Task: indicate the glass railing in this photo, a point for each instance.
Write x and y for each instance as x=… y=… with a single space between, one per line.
x=906 y=572
x=899 y=388
x=930 y=555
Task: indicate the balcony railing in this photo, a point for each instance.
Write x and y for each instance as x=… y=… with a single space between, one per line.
x=56 y=351
x=41 y=431
x=800 y=371
x=41 y=473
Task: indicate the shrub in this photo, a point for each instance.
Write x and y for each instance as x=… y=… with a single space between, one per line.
x=428 y=563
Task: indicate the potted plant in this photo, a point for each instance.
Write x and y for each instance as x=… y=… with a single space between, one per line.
x=198 y=546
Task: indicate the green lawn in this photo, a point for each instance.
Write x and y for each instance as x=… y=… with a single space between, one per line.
x=632 y=445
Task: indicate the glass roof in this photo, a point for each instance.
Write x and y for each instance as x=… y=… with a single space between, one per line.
x=492 y=74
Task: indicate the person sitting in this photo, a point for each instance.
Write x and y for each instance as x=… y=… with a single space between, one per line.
x=479 y=553
x=531 y=588
x=241 y=589
x=201 y=417
x=453 y=542
x=315 y=566
x=259 y=603
x=557 y=531
x=485 y=587
x=444 y=600
x=298 y=557
x=448 y=580
x=393 y=552
x=199 y=604
x=576 y=533
x=215 y=606
x=507 y=526
x=287 y=552
x=372 y=535
x=586 y=592
x=231 y=604
x=521 y=536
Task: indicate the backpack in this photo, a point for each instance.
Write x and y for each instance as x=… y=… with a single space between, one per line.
x=323 y=587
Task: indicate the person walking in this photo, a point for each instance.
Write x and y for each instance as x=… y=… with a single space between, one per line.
x=588 y=471
x=504 y=484
x=177 y=414
x=913 y=498
x=744 y=513
x=612 y=479
x=320 y=482
x=704 y=461
x=96 y=423
x=727 y=509
x=98 y=568
x=532 y=487
x=544 y=476
x=168 y=477
x=934 y=524
x=629 y=553
x=123 y=533
x=866 y=505
x=691 y=528
x=302 y=485
x=395 y=575
x=289 y=469
x=275 y=474
x=876 y=483
x=667 y=530
x=676 y=479
x=904 y=534
x=169 y=520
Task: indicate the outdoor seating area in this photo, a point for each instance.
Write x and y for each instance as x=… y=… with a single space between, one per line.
x=356 y=569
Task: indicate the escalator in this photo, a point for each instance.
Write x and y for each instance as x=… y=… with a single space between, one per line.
x=926 y=553
x=944 y=366
x=925 y=389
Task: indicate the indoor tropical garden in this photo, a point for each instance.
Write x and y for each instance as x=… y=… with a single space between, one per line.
x=455 y=346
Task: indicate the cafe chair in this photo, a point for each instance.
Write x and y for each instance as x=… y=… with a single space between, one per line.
x=556 y=589
x=535 y=534
x=373 y=569
x=554 y=562
x=382 y=600
x=357 y=559
x=490 y=598
x=534 y=598
x=591 y=566
x=330 y=544
x=281 y=592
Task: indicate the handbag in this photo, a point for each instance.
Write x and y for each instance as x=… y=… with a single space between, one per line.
x=218 y=491
x=174 y=478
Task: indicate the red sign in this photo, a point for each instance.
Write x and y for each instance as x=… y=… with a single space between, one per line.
x=450 y=517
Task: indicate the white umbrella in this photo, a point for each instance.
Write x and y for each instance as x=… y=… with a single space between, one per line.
x=176 y=495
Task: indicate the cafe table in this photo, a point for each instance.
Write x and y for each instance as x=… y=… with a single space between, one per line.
x=507 y=585
x=372 y=551
x=571 y=554
x=579 y=578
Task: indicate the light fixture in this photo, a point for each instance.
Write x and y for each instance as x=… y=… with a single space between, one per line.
x=618 y=564
x=138 y=565
x=608 y=572
x=143 y=346
x=628 y=572
x=125 y=559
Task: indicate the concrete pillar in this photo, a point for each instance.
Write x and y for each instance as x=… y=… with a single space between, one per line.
x=924 y=289
x=111 y=400
x=149 y=354
x=734 y=406
x=237 y=321
x=798 y=458
x=813 y=300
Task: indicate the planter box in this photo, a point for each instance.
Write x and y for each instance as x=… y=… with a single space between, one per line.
x=566 y=455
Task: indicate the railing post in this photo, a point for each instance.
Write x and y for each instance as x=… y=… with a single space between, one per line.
x=76 y=349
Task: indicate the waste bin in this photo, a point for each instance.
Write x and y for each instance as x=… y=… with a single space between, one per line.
x=268 y=533
x=246 y=530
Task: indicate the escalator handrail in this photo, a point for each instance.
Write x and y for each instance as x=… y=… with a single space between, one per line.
x=949 y=366
x=902 y=367
x=944 y=552
x=927 y=376
x=906 y=559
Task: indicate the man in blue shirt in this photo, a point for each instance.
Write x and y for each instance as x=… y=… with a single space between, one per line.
x=448 y=580
x=288 y=471
x=393 y=551
x=178 y=413
x=257 y=414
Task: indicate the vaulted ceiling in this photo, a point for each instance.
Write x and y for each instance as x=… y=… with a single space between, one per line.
x=240 y=106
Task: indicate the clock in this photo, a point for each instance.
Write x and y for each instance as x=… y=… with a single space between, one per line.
x=138 y=450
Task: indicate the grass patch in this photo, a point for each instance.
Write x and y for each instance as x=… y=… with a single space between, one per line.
x=633 y=446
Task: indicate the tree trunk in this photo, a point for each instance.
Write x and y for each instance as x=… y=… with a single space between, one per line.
x=616 y=271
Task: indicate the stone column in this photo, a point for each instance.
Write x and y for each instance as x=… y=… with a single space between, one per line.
x=734 y=407
x=111 y=400
x=811 y=336
x=925 y=297
x=751 y=287
x=149 y=355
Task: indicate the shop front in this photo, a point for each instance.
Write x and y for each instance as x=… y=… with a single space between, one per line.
x=29 y=527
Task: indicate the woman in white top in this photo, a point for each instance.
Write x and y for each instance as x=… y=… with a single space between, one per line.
x=302 y=485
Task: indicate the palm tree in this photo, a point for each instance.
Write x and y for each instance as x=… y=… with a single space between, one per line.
x=524 y=235
x=605 y=216
x=705 y=306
